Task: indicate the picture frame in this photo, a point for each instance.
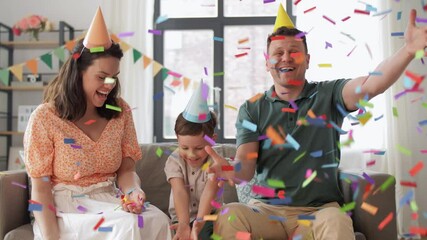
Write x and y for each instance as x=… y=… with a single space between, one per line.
x=16 y=160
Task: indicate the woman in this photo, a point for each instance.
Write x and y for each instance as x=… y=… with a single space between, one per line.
x=78 y=145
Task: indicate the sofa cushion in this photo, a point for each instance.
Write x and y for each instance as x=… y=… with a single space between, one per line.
x=150 y=170
x=20 y=233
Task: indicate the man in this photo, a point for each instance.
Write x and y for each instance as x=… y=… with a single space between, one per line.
x=295 y=143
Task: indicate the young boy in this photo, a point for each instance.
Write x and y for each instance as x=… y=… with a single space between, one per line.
x=192 y=189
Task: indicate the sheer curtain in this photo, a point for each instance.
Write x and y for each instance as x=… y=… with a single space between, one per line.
x=137 y=83
x=405 y=130
x=358 y=45
x=351 y=44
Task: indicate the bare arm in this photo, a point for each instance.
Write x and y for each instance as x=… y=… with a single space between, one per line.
x=391 y=68
x=248 y=166
x=205 y=206
x=46 y=219
x=129 y=182
x=181 y=202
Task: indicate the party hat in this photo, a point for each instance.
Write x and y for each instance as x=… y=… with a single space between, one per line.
x=97 y=35
x=283 y=19
x=197 y=109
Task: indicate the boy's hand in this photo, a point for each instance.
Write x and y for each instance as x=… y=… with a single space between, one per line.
x=183 y=231
x=216 y=167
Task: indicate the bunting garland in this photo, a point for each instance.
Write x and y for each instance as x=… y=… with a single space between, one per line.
x=60 y=54
x=4 y=76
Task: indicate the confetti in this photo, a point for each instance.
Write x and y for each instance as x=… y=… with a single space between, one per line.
x=414 y=170
x=275 y=183
x=125 y=34
x=324 y=65
x=316 y=154
x=276 y=218
x=140 y=221
x=309 y=179
x=361 y=12
x=210 y=218
x=155 y=32
x=249 y=125
x=243 y=235
x=368 y=178
x=218 y=39
x=68 y=141
x=330 y=20
x=389 y=181
x=369 y=208
x=35 y=207
x=348 y=206
x=309 y=10
x=105 y=229
x=108 y=106
x=89 y=122
x=99 y=223
x=241 y=55
x=96 y=49
x=161 y=19
x=306 y=217
x=81 y=209
x=264 y=191
x=385 y=221
x=209 y=140
x=19 y=185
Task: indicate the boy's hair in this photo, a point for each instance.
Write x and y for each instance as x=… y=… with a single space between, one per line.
x=187 y=128
x=284 y=31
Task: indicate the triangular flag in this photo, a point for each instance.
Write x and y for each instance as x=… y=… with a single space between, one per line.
x=4 y=76
x=32 y=65
x=186 y=82
x=47 y=59
x=156 y=68
x=147 y=61
x=136 y=55
x=124 y=46
x=115 y=38
x=70 y=45
x=59 y=53
x=282 y=19
x=164 y=73
x=17 y=71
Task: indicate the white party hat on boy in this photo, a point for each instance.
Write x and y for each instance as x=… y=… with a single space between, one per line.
x=197 y=109
x=97 y=35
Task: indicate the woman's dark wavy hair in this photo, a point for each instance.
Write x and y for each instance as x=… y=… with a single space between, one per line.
x=66 y=92
x=284 y=31
x=184 y=127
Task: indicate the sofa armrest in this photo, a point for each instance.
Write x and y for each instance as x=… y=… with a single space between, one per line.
x=13 y=201
x=385 y=201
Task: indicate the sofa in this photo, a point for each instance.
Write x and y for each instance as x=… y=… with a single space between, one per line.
x=15 y=220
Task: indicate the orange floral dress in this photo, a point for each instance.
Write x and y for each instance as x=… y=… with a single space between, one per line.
x=58 y=149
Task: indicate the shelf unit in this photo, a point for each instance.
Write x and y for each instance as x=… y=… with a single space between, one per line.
x=8 y=44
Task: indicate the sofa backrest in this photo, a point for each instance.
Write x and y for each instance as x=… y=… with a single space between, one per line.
x=150 y=170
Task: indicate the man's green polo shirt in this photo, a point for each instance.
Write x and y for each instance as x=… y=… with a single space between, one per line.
x=308 y=167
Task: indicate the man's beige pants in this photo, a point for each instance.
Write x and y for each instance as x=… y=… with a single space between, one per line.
x=265 y=221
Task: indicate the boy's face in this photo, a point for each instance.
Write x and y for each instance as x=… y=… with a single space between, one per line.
x=192 y=149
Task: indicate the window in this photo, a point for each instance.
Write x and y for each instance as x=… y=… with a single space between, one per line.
x=190 y=44
x=201 y=40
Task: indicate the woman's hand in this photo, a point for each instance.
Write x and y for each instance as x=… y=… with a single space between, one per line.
x=183 y=231
x=134 y=201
